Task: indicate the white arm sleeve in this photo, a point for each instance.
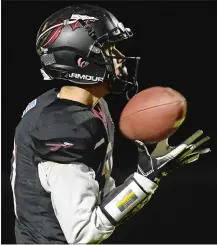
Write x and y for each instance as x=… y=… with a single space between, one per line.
x=75 y=199
x=74 y=195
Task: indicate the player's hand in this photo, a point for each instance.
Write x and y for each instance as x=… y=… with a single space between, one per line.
x=184 y=153
x=165 y=158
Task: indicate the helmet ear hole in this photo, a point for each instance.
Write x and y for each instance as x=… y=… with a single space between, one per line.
x=81 y=62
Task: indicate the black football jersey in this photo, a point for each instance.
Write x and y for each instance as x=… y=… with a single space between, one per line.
x=58 y=130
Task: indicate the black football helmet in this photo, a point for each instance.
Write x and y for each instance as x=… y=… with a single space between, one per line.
x=72 y=46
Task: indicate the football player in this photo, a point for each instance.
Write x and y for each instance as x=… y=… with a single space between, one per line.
x=62 y=161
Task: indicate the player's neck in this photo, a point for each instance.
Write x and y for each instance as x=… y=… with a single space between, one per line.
x=88 y=95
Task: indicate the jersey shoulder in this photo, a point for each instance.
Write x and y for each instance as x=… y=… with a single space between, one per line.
x=65 y=119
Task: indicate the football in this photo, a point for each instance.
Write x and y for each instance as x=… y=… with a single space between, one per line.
x=153 y=114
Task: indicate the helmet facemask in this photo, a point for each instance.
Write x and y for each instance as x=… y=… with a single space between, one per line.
x=105 y=45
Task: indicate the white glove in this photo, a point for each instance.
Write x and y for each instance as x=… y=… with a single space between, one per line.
x=165 y=158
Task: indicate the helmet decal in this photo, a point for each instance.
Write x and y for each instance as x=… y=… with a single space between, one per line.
x=82 y=63
x=50 y=33
x=73 y=22
x=76 y=24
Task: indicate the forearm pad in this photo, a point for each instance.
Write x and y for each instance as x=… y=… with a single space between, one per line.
x=127 y=199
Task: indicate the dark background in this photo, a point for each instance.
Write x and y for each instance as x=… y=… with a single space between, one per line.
x=177 y=43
